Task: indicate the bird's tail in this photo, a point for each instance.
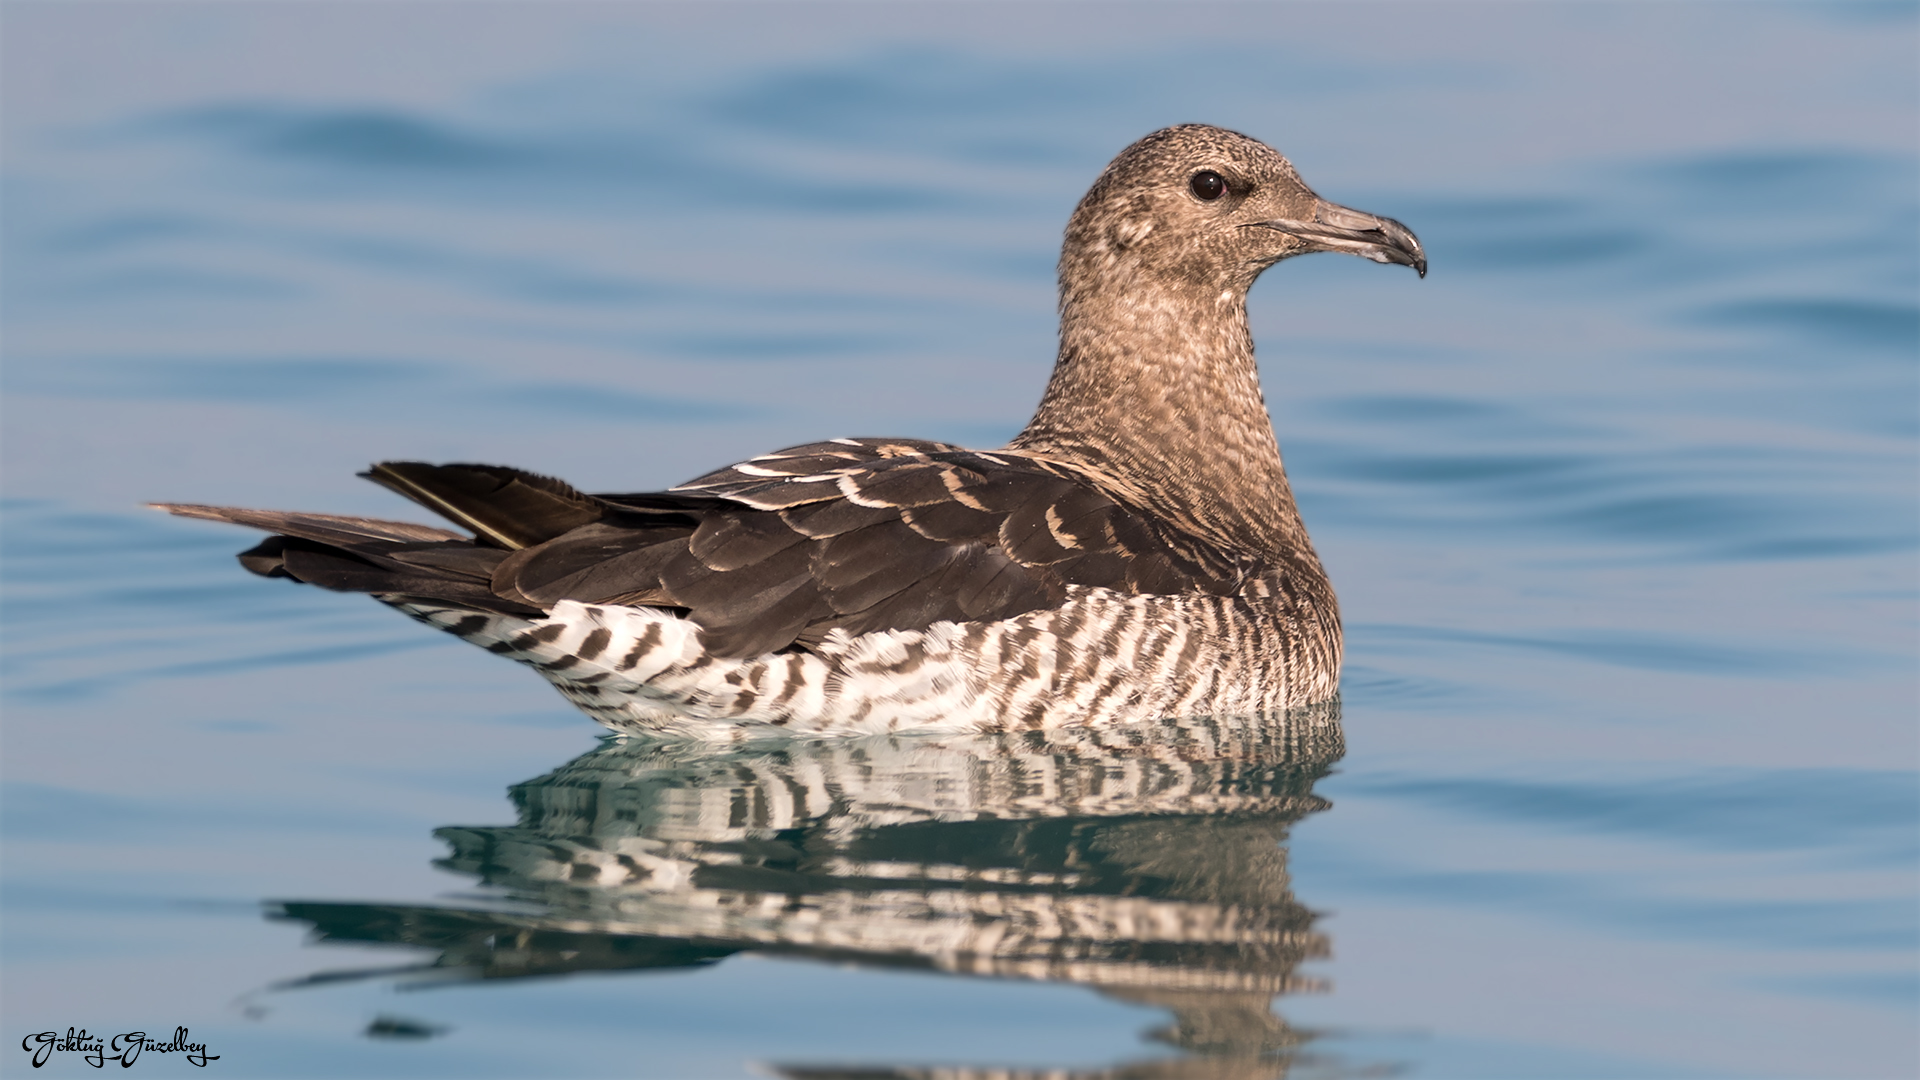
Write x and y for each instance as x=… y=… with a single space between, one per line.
x=391 y=559
x=507 y=509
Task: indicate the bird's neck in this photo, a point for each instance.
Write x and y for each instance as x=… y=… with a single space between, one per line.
x=1160 y=390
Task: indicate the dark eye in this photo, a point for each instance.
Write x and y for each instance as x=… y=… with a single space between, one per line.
x=1208 y=185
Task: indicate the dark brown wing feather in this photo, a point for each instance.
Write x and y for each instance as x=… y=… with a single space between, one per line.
x=504 y=507
x=777 y=552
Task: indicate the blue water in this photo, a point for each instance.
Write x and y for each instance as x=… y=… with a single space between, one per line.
x=1620 y=502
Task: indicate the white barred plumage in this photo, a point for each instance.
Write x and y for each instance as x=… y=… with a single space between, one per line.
x=1102 y=658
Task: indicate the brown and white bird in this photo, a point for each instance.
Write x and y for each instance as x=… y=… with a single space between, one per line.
x=1134 y=553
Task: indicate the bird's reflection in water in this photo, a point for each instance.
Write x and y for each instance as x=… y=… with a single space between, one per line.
x=1146 y=863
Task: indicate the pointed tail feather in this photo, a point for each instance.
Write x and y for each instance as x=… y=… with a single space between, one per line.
x=504 y=507
x=390 y=559
x=326 y=528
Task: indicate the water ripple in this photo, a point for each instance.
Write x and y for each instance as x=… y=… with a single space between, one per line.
x=362 y=138
x=1757 y=924
x=1853 y=323
x=1651 y=651
x=1860 y=816
x=371 y=385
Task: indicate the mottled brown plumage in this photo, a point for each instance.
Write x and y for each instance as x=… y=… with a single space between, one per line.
x=1149 y=469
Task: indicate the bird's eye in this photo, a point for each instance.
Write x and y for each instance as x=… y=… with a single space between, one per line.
x=1208 y=185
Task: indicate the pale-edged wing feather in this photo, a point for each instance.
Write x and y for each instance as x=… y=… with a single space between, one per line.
x=851 y=535
x=861 y=535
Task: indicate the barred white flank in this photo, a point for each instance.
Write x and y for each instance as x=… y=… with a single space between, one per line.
x=1100 y=658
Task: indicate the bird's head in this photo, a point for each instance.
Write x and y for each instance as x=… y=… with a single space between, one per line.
x=1196 y=207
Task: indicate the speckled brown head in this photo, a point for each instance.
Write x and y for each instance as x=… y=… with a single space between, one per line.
x=1155 y=385
x=1205 y=208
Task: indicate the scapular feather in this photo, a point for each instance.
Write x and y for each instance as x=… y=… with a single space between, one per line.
x=951 y=522
x=911 y=484
x=1027 y=538
x=824 y=519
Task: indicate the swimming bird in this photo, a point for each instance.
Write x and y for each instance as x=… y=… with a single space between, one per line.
x=1134 y=553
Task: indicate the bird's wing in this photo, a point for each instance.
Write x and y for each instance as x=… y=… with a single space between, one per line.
x=857 y=535
x=862 y=535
